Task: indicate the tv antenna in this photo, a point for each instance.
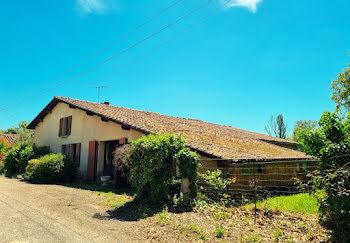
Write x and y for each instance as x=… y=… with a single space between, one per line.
x=99 y=91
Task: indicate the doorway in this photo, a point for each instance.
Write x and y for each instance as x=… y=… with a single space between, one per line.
x=108 y=167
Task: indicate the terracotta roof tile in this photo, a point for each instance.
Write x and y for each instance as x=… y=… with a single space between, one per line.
x=211 y=139
x=9 y=139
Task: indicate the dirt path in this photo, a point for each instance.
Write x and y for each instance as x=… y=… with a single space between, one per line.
x=53 y=213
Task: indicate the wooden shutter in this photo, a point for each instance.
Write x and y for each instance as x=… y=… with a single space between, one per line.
x=92 y=160
x=77 y=153
x=60 y=128
x=69 y=125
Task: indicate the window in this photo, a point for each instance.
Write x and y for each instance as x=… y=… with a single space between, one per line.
x=72 y=151
x=251 y=170
x=302 y=167
x=65 y=126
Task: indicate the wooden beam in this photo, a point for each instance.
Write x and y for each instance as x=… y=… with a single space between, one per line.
x=104 y=119
x=125 y=127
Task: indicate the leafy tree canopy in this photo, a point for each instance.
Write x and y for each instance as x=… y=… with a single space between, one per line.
x=302 y=125
x=26 y=135
x=341 y=89
x=330 y=142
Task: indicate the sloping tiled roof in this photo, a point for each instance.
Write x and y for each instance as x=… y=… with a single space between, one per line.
x=9 y=139
x=209 y=139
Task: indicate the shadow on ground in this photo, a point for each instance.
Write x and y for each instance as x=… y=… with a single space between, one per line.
x=98 y=187
x=136 y=210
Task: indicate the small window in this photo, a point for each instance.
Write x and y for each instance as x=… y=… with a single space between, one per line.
x=65 y=126
x=302 y=167
x=251 y=170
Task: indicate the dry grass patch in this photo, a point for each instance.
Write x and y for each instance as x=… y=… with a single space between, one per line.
x=237 y=225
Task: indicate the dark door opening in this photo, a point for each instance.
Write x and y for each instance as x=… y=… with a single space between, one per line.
x=108 y=167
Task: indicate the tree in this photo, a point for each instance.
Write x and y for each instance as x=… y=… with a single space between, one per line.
x=341 y=89
x=26 y=135
x=276 y=127
x=330 y=143
x=302 y=125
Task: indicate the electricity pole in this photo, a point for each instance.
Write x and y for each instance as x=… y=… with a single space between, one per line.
x=99 y=91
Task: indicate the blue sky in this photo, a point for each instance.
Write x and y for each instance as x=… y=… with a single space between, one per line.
x=251 y=60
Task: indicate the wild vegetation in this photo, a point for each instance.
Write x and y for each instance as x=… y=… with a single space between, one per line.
x=302 y=125
x=17 y=158
x=341 y=89
x=278 y=220
x=153 y=160
x=50 y=168
x=26 y=136
x=330 y=143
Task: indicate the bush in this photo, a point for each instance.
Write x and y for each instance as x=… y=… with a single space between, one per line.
x=334 y=203
x=330 y=143
x=51 y=168
x=17 y=158
x=3 y=148
x=2 y=166
x=214 y=188
x=152 y=161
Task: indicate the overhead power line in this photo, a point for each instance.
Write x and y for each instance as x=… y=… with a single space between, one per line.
x=177 y=35
x=100 y=51
x=114 y=56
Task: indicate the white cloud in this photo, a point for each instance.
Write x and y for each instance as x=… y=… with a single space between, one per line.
x=250 y=4
x=86 y=7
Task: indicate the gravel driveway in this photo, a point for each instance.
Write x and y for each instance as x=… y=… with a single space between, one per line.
x=53 y=213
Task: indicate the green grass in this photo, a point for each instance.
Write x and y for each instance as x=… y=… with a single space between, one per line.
x=113 y=197
x=298 y=203
x=115 y=200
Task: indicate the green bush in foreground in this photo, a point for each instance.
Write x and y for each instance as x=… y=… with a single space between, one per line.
x=50 y=168
x=152 y=161
x=17 y=158
x=214 y=188
x=330 y=143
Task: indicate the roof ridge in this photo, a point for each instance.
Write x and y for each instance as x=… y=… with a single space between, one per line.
x=268 y=137
x=210 y=139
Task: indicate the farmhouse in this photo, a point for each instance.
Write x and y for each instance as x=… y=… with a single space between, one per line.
x=90 y=132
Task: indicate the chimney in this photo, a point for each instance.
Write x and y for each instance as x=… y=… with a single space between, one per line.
x=106 y=103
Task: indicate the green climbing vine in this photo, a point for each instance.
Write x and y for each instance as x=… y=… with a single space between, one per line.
x=152 y=161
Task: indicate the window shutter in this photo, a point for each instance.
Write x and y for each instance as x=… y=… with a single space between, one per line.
x=67 y=152
x=92 y=160
x=77 y=153
x=69 y=125
x=60 y=128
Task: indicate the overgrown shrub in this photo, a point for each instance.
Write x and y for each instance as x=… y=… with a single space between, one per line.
x=51 y=168
x=152 y=161
x=2 y=166
x=188 y=163
x=330 y=143
x=17 y=158
x=214 y=188
x=3 y=150
x=3 y=147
